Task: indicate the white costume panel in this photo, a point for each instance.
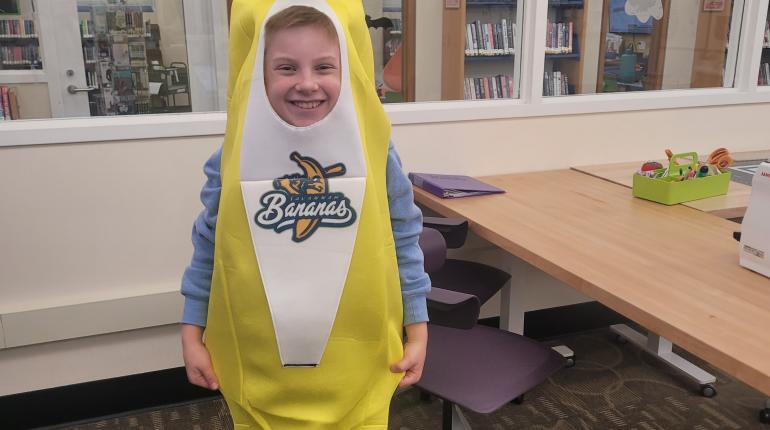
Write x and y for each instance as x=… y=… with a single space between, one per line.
x=303 y=190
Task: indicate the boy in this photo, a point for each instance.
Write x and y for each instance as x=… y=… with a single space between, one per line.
x=258 y=352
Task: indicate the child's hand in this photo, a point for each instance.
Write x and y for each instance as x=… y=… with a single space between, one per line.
x=414 y=354
x=197 y=361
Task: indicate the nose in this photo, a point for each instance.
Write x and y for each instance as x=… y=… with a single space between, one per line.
x=307 y=82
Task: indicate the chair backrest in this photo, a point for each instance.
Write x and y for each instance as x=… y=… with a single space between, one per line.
x=433 y=248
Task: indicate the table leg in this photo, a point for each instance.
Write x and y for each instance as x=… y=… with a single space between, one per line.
x=661 y=348
x=512 y=319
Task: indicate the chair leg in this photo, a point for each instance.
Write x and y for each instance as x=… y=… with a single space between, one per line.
x=452 y=417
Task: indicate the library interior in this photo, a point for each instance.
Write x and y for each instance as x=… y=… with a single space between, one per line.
x=593 y=178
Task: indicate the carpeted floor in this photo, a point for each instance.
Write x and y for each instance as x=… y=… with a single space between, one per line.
x=612 y=386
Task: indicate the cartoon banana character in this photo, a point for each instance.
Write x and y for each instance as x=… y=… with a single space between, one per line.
x=314 y=182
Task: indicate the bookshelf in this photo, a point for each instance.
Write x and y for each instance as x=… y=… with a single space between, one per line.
x=19 y=43
x=467 y=67
x=479 y=57
x=563 y=70
x=115 y=39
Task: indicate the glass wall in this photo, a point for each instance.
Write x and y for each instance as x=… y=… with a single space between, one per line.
x=84 y=58
x=81 y=58
x=385 y=19
x=605 y=46
x=764 y=67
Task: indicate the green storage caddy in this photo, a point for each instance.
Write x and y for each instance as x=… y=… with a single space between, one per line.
x=670 y=189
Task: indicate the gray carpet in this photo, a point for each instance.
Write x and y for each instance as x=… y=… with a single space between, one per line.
x=612 y=386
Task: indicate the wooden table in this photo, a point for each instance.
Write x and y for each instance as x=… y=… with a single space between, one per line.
x=731 y=205
x=674 y=270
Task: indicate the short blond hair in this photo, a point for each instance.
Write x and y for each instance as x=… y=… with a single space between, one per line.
x=299 y=16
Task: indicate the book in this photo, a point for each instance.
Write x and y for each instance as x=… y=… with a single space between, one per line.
x=13 y=101
x=123 y=82
x=6 y=102
x=120 y=54
x=452 y=186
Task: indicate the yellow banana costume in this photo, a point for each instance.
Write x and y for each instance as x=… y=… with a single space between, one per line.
x=333 y=372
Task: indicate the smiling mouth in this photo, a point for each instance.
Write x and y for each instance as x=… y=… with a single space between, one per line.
x=307 y=105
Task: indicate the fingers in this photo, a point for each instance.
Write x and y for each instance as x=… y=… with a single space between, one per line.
x=412 y=372
x=203 y=377
x=211 y=378
x=410 y=378
x=401 y=366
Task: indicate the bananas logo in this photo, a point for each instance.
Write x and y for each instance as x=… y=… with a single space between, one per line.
x=303 y=203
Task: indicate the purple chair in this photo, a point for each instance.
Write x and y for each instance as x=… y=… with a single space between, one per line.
x=477 y=367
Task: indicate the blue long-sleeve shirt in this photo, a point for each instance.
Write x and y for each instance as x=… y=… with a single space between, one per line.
x=405 y=218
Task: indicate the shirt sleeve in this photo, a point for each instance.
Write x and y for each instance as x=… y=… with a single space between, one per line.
x=196 y=281
x=406 y=221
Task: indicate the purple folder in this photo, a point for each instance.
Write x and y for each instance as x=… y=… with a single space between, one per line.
x=452 y=186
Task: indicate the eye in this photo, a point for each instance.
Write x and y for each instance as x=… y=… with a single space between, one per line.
x=325 y=67
x=286 y=68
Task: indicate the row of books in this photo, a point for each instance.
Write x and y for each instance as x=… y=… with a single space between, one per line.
x=555 y=84
x=489 y=39
x=19 y=55
x=107 y=102
x=125 y=81
x=118 y=20
x=764 y=74
x=489 y=87
x=132 y=22
x=9 y=104
x=559 y=38
x=17 y=28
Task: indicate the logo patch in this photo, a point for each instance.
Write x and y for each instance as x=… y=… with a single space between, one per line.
x=303 y=202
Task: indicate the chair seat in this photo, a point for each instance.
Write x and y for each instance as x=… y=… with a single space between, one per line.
x=469 y=277
x=488 y=368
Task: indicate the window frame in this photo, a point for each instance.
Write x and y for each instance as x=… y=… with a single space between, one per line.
x=530 y=104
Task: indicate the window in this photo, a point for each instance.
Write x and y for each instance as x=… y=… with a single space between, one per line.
x=607 y=46
x=764 y=68
x=124 y=57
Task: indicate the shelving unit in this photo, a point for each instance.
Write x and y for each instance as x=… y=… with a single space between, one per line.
x=479 y=57
x=19 y=43
x=458 y=66
x=564 y=67
x=114 y=39
x=20 y=57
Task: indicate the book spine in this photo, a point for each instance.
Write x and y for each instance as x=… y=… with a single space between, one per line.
x=470 y=46
x=6 y=103
x=14 y=102
x=2 y=110
x=479 y=37
x=506 y=47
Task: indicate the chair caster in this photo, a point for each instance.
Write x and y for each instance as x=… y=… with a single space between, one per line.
x=708 y=390
x=518 y=400
x=764 y=416
x=567 y=353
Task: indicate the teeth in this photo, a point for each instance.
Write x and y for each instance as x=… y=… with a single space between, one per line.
x=307 y=105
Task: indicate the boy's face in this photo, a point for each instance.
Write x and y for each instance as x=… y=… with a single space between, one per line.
x=302 y=74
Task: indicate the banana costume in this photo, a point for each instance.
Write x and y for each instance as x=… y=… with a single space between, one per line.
x=305 y=313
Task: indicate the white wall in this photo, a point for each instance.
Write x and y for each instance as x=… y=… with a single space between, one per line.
x=107 y=223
